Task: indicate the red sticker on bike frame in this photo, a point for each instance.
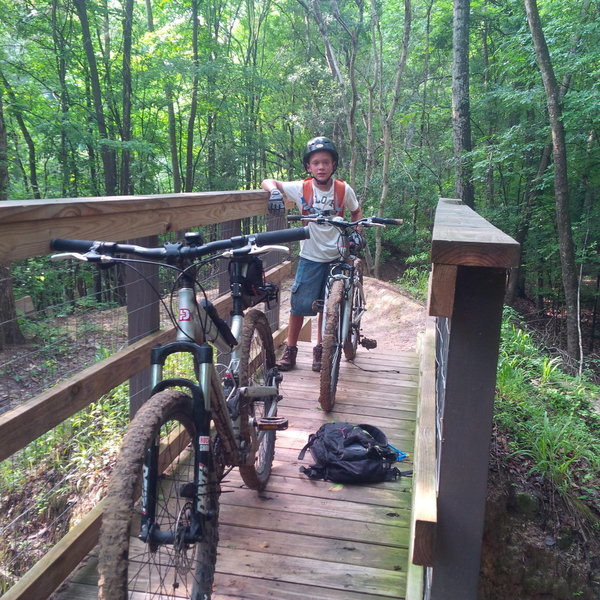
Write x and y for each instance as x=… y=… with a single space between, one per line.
x=185 y=314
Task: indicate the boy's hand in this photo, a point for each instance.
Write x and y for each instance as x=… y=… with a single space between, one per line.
x=276 y=205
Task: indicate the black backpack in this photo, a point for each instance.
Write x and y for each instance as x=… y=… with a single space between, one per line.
x=346 y=453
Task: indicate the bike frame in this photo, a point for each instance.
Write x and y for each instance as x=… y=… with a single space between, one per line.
x=195 y=326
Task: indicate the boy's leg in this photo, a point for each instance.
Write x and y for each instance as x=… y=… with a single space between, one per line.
x=319 y=327
x=288 y=359
x=294 y=328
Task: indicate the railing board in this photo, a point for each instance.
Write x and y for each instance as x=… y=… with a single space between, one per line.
x=27 y=227
x=53 y=568
x=424 y=512
x=25 y=423
x=462 y=237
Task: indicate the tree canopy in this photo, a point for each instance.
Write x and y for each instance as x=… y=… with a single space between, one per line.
x=105 y=97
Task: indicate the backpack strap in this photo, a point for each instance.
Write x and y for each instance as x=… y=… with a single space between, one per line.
x=307 y=198
x=311 y=439
x=313 y=472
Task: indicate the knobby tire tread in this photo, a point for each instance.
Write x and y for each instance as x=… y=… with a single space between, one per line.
x=351 y=341
x=330 y=362
x=257 y=340
x=124 y=488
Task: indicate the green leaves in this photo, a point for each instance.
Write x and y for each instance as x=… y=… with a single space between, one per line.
x=548 y=416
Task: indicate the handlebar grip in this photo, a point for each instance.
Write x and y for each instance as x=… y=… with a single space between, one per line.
x=71 y=245
x=282 y=236
x=386 y=221
x=295 y=218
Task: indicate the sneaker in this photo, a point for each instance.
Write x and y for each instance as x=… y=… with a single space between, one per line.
x=317 y=356
x=288 y=360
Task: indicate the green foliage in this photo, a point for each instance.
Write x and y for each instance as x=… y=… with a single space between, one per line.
x=91 y=435
x=52 y=475
x=549 y=416
x=415 y=279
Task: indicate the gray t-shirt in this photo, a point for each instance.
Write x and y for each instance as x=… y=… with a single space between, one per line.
x=322 y=246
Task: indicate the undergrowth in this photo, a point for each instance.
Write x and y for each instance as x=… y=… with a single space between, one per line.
x=415 y=278
x=48 y=486
x=547 y=415
x=550 y=419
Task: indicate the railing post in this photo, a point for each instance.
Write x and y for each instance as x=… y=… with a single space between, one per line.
x=143 y=317
x=470 y=260
x=466 y=421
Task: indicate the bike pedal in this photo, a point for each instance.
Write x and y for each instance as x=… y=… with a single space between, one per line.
x=368 y=343
x=272 y=423
x=318 y=305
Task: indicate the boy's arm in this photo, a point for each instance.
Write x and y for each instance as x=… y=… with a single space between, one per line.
x=271 y=184
x=355 y=215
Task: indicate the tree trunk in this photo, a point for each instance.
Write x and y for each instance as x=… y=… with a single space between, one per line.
x=346 y=83
x=61 y=67
x=3 y=153
x=189 y=155
x=126 y=183
x=108 y=155
x=9 y=327
x=387 y=114
x=561 y=189
x=26 y=136
x=461 y=111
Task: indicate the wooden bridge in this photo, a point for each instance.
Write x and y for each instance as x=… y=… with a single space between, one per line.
x=414 y=538
x=315 y=539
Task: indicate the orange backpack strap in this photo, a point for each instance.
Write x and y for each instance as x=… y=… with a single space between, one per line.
x=339 y=191
x=307 y=195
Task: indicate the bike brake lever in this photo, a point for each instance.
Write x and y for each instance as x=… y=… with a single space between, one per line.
x=253 y=249
x=90 y=257
x=65 y=255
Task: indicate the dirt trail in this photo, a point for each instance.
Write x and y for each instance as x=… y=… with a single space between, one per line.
x=392 y=318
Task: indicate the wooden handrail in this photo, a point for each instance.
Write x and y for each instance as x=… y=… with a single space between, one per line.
x=461 y=237
x=424 y=500
x=26 y=227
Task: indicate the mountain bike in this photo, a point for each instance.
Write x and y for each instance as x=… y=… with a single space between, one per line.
x=159 y=531
x=344 y=303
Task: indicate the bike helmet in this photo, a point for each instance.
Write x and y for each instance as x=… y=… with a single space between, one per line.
x=318 y=144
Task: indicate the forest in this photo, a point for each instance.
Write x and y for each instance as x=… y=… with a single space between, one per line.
x=491 y=101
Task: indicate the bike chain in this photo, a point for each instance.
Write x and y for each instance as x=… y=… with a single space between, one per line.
x=397 y=371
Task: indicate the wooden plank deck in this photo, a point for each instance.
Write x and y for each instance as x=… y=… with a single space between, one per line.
x=314 y=539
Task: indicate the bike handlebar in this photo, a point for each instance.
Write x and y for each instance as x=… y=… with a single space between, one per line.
x=337 y=222
x=178 y=249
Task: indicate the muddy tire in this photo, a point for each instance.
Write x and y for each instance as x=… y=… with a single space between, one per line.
x=257 y=367
x=332 y=347
x=129 y=567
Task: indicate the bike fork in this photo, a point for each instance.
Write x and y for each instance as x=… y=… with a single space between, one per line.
x=149 y=532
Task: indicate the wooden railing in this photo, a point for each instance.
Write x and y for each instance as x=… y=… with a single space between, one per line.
x=470 y=262
x=458 y=350
x=26 y=229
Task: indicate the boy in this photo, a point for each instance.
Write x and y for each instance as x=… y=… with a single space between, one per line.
x=321 y=191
